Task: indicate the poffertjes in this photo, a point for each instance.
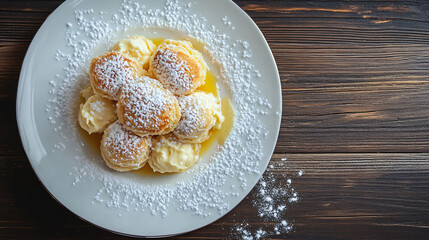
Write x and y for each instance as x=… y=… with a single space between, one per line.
x=110 y=71
x=122 y=150
x=146 y=108
x=178 y=66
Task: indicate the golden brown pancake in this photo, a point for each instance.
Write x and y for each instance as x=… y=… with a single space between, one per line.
x=178 y=66
x=110 y=71
x=201 y=112
x=122 y=150
x=146 y=108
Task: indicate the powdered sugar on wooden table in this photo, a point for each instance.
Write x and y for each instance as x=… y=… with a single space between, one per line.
x=271 y=198
x=208 y=186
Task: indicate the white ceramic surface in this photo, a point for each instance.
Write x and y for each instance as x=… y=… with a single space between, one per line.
x=53 y=167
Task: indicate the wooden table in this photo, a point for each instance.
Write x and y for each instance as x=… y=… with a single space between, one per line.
x=355 y=81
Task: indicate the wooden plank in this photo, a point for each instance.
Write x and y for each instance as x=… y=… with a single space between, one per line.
x=368 y=196
x=350 y=84
x=11 y=57
x=361 y=196
x=29 y=6
x=349 y=196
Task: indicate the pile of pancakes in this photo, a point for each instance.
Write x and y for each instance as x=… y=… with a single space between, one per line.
x=144 y=99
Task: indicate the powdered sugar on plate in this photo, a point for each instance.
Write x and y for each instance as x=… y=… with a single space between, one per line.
x=206 y=188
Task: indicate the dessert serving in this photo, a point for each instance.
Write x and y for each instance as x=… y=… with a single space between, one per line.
x=150 y=105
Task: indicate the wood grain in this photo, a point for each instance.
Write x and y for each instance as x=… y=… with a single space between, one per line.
x=355 y=82
x=373 y=78
x=342 y=195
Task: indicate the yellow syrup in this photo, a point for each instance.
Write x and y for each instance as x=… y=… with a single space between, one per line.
x=157 y=41
x=93 y=140
x=210 y=84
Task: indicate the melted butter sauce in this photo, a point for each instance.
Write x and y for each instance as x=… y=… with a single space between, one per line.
x=210 y=84
x=157 y=41
x=93 y=140
x=217 y=137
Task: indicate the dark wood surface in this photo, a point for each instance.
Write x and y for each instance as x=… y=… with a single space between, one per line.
x=355 y=81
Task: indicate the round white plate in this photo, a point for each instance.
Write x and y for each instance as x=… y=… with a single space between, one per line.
x=126 y=203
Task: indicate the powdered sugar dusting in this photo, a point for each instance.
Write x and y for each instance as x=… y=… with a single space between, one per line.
x=204 y=190
x=125 y=144
x=111 y=72
x=98 y=106
x=172 y=71
x=146 y=104
x=196 y=110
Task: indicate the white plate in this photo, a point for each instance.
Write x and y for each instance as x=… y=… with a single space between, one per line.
x=125 y=203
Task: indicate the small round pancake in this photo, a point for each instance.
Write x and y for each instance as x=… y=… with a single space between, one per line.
x=170 y=154
x=201 y=112
x=178 y=66
x=123 y=150
x=110 y=71
x=146 y=108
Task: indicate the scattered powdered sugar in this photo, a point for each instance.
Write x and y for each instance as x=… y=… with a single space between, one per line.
x=228 y=23
x=123 y=143
x=146 y=105
x=111 y=71
x=207 y=191
x=173 y=71
x=198 y=114
x=246 y=234
x=193 y=113
x=271 y=196
x=98 y=106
